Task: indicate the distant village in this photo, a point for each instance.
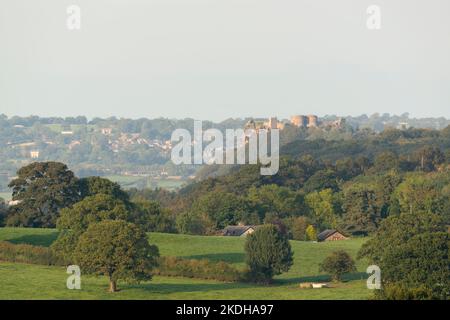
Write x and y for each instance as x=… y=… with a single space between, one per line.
x=120 y=141
x=141 y=148
x=301 y=121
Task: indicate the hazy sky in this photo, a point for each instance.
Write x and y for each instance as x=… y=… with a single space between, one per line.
x=214 y=59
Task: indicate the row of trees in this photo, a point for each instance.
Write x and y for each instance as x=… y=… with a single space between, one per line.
x=324 y=200
x=356 y=206
x=44 y=191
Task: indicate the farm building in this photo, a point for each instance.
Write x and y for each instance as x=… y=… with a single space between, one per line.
x=331 y=235
x=238 y=231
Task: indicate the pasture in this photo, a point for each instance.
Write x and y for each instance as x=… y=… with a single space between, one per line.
x=24 y=281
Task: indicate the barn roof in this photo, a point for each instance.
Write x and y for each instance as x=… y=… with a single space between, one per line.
x=236 y=230
x=325 y=234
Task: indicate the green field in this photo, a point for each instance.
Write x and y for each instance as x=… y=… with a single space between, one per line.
x=74 y=127
x=21 y=281
x=5 y=195
x=146 y=182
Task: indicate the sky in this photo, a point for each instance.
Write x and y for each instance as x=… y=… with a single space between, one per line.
x=216 y=59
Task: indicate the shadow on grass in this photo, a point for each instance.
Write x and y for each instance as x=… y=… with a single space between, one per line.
x=232 y=257
x=322 y=278
x=168 y=288
x=44 y=240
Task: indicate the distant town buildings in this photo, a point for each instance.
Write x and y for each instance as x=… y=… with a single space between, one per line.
x=309 y=121
x=299 y=121
x=313 y=121
x=403 y=126
x=74 y=144
x=106 y=131
x=271 y=124
x=338 y=123
x=34 y=154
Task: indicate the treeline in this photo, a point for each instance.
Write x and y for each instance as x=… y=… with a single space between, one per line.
x=351 y=185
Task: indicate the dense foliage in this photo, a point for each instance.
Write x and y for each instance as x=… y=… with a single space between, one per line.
x=116 y=249
x=42 y=189
x=412 y=251
x=268 y=253
x=337 y=264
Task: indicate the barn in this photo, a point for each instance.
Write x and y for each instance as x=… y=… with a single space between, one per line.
x=331 y=235
x=238 y=231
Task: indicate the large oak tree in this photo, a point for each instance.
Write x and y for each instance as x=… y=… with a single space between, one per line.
x=117 y=249
x=42 y=189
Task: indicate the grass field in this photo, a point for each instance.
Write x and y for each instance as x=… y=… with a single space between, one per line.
x=5 y=195
x=147 y=182
x=74 y=127
x=20 y=281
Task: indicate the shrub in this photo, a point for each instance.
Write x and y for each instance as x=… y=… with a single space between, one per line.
x=268 y=253
x=193 y=223
x=298 y=228
x=26 y=253
x=337 y=264
x=396 y=291
x=311 y=233
x=200 y=269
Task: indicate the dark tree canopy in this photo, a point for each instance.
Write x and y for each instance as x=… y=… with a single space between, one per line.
x=43 y=189
x=268 y=253
x=118 y=250
x=412 y=251
x=152 y=218
x=76 y=220
x=90 y=186
x=337 y=264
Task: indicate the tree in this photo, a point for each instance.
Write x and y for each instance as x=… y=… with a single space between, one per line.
x=337 y=264
x=224 y=209
x=280 y=201
x=362 y=213
x=311 y=233
x=74 y=221
x=386 y=161
x=91 y=186
x=386 y=189
x=268 y=253
x=277 y=222
x=412 y=251
x=43 y=189
x=194 y=223
x=324 y=179
x=2 y=212
x=423 y=192
x=430 y=158
x=152 y=218
x=298 y=228
x=324 y=206
x=117 y=249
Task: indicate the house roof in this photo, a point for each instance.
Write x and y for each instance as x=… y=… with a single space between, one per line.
x=236 y=230
x=325 y=234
